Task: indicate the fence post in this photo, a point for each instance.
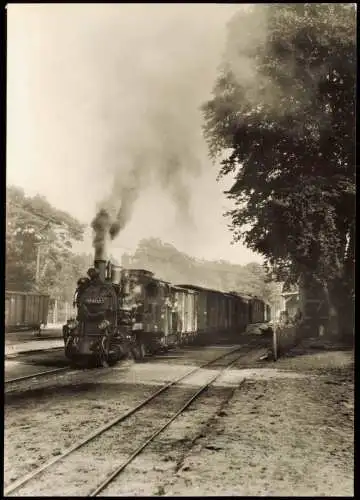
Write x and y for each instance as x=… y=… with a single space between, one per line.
x=55 y=311
x=275 y=350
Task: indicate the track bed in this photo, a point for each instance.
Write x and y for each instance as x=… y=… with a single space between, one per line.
x=40 y=423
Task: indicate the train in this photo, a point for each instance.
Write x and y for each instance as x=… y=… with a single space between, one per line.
x=123 y=312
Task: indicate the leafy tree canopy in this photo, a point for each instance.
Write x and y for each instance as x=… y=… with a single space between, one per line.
x=38 y=246
x=283 y=113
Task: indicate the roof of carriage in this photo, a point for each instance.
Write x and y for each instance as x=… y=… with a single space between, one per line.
x=198 y=288
x=211 y=290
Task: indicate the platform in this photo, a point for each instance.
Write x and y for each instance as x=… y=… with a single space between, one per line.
x=25 y=341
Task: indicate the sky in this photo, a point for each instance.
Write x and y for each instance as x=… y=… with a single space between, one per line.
x=83 y=80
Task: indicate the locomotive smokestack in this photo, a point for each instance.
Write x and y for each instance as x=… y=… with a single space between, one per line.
x=101 y=226
x=100 y=265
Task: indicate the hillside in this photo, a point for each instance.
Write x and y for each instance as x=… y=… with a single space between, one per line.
x=169 y=264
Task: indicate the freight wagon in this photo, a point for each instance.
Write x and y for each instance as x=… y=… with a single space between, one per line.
x=220 y=312
x=25 y=310
x=184 y=316
x=257 y=311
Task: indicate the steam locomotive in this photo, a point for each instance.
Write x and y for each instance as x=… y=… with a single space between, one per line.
x=123 y=312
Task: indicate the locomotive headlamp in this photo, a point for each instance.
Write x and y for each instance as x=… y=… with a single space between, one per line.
x=104 y=324
x=82 y=281
x=137 y=289
x=93 y=273
x=72 y=324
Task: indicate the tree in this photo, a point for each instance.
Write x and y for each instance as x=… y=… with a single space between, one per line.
x=283 y=113
x=38 y=245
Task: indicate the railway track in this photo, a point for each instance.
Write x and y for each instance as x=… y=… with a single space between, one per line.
x=24 y=354
x=13 y=384
x=103 y=432
x=36 y=375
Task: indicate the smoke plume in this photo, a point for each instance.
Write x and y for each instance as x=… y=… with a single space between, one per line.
x=151 y=113
x=102 y=227
x=281 y=34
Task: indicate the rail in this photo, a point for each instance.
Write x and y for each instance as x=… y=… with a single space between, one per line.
x=16 y=485
x=14 y=381
x=30 y=352
x=120 y=468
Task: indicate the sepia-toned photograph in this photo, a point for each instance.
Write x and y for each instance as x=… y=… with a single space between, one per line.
x=180 y=249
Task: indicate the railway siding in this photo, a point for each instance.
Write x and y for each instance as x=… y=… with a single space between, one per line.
x=146 y=418
x=268 y=435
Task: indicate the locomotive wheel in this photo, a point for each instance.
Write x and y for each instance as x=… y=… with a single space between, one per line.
x=80 y=362
x=112 y=361
x=74 y=363
x=121 y=352
x=139 y=352
x=142 y=351
x=72 y=359
x=115 y=356
x=105 y=362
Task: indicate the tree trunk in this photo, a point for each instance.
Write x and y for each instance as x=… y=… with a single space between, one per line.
x=348 y=327
x=42 y=274
x=333 y=324
x=349 y=286
x=347 y=311
x=341 y=309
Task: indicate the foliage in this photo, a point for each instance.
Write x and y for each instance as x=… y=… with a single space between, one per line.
x=286 y=121
x=34 y=227
x=168 y=263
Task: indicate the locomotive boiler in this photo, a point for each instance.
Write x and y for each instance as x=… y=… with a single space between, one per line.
x=103 y=330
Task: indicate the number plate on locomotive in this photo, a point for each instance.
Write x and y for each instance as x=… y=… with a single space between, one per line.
x=95 y=300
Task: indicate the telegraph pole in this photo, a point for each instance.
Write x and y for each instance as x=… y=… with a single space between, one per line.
x=39 y=244
x=37 y=275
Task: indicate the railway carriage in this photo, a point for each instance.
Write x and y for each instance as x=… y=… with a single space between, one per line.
x=204 y=309
x=184 y=317
x=240 y=312
x=256 y=310
x=164 y=314
x=221 y=312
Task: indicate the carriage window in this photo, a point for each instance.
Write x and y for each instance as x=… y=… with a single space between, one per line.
x=158 y=311
x=151 y=290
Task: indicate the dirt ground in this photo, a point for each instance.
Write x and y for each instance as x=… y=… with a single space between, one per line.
x=46 y=418
x=282 y=428
x=263 y=428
